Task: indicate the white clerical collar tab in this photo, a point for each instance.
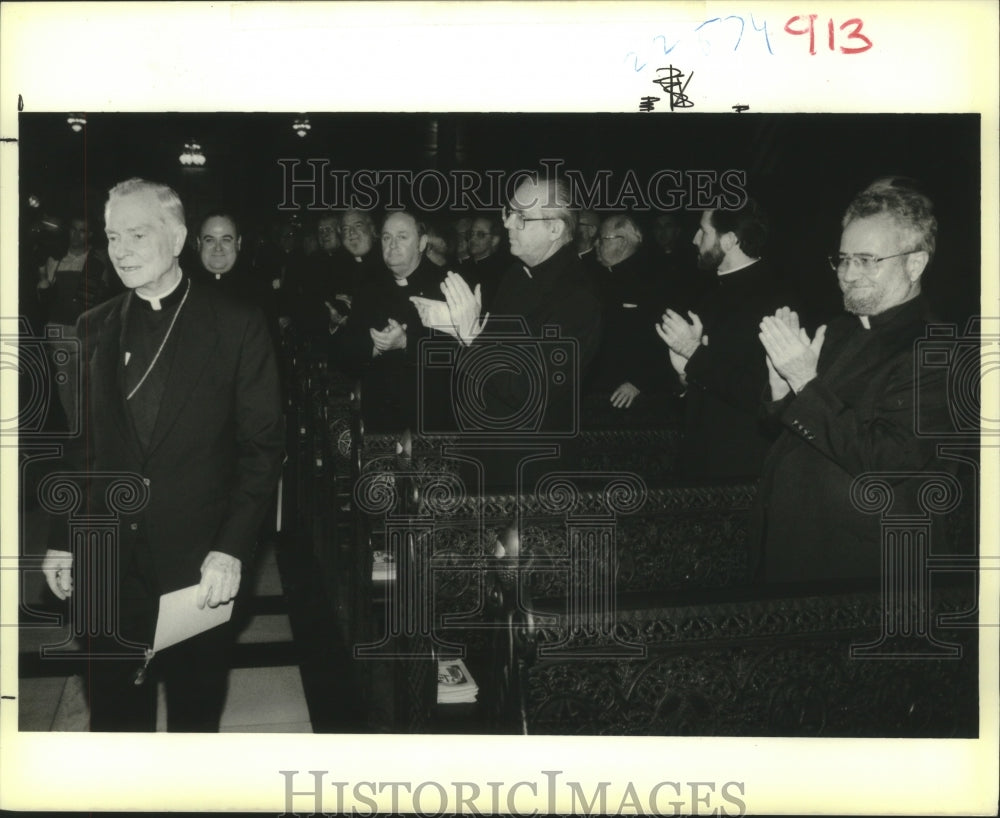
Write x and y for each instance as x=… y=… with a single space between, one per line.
x=528 y=272
x=154 y=300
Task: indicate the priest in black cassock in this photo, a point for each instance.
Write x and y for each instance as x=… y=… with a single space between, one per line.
x=182 y=392
x=846 y=400
x=379 y=342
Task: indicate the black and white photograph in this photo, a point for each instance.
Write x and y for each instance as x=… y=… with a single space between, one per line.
x=565 y=435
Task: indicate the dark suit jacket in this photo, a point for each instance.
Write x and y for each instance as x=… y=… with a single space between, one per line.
x=723 y=433
x=855 y=417
x=633 y=299
x=215 y=453
x=388 y=381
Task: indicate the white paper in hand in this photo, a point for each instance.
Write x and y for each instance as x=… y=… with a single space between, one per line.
x=180 y=617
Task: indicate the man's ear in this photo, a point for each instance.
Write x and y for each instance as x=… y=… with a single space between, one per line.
x=727 y=241
x=494 y=243
x=180 y=234
x=916 y=263
x=239 y=243
x=422 y=244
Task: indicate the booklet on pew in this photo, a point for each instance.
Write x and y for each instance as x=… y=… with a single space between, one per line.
x=383 y=567
x=455 y=683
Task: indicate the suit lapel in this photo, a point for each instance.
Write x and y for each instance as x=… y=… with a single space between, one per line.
x=107 y=376
x=196 y=337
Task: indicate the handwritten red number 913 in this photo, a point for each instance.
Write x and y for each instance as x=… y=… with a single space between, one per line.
x=855 y=24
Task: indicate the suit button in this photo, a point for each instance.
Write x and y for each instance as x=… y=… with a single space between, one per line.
x=134 y=526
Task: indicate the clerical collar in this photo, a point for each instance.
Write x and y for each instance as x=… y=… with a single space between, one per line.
x=168 y=299
x=720 y=274
x=883 y=318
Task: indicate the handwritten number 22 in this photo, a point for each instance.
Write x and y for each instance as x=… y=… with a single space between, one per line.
x=855 y=34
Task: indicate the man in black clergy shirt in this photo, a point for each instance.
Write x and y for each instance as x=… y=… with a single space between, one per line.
x=488 y=260
x=220 y=243
x=182 y=391
x=846 y=398
x=379 y=342
x=631 y=359
x=714 y=355
x=546 y=287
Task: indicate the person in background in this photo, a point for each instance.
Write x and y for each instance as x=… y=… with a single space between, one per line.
x=630 y=360
x=379 y=342
x=69 y=284
x=714 y=355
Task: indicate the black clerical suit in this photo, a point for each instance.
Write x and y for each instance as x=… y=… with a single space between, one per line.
x=389 y=379
x=522 y=375
x=203 y=431
x=723 y=433
x=856 y=416
x=633 y=301
x=487 y=273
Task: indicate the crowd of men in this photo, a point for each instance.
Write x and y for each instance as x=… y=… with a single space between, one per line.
x=189 y=396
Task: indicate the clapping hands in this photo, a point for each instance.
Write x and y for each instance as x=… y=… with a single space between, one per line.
x=463 y=309
x=792 y=356
x=392 y=337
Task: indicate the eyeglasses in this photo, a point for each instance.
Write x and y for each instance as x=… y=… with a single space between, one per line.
x=352 y=229
x=519 y=218
x=480 y=234
x=866 y=263
x=609 y=238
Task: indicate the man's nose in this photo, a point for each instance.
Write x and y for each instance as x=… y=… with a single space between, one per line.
x=848 y=270
x=697 y=238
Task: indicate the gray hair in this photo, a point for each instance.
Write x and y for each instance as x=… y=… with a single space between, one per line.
x=912 y=211
x=170 y=202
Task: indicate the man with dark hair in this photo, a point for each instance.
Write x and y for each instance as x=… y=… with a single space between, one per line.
x=714 y=354
x=675 y=261
x=379 y=343
x=845 y=399
x=69 y=284
x=183 y=393
x=488 y=259
x=329 y=284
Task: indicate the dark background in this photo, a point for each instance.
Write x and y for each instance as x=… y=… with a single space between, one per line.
x=804 y=168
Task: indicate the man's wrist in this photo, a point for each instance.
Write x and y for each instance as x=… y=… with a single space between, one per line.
x=797 y=385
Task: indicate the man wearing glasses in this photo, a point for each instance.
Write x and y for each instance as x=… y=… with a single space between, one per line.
x=630 y=360
x=545 y=287
x=488 y=260
x=845 y=397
